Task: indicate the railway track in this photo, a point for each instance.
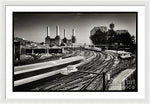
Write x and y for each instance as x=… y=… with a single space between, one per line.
x=81 y=80
x=89 y=76
x=91 y=83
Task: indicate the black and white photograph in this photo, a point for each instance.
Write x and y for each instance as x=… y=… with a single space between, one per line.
x=75 y=52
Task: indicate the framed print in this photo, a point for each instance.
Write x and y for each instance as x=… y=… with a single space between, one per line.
x=75 y=52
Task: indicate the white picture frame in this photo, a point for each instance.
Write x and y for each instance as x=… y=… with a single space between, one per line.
x=9 y=7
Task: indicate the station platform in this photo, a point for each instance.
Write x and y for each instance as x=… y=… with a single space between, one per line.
x=33 y=72
x=118 y=82
x=37 y=66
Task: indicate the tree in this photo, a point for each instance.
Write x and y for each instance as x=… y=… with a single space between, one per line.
x=111 y=37
x=124 y=38
x=98 y=38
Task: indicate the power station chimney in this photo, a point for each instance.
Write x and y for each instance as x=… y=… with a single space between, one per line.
x=57 y=30
x=73 y=36
x=48 y=30
x=73 y=32
x=64 y=33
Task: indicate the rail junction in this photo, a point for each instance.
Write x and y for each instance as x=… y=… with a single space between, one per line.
x=95 y=70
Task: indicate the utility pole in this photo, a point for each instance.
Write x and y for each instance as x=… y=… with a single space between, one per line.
x=104 y=73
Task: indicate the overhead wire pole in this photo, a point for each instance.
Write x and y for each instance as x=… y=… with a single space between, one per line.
x=107 y=40
x=47 y=36
x=104 y=87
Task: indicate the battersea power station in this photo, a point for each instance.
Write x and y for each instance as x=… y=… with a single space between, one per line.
x=57 y=41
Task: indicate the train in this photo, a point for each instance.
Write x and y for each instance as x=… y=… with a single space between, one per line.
x=69 y=69
x=51 y=50
x=96 y=49
x=124 y=55
x=121 y=54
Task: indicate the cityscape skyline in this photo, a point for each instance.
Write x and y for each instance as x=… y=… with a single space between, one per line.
x=32 y=26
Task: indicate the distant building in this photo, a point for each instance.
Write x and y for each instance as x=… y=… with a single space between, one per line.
x=69 y=42
x=17 y=50
x=57 y=40
x=109 y=36
x=47 y=39
x=112 y=26
x=64 y=39
x=111 y=32
x=121 y=31
x=53 y=41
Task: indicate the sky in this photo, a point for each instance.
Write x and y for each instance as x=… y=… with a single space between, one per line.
x=32 y=25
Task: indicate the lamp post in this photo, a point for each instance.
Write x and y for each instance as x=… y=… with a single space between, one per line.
x=107 y=41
